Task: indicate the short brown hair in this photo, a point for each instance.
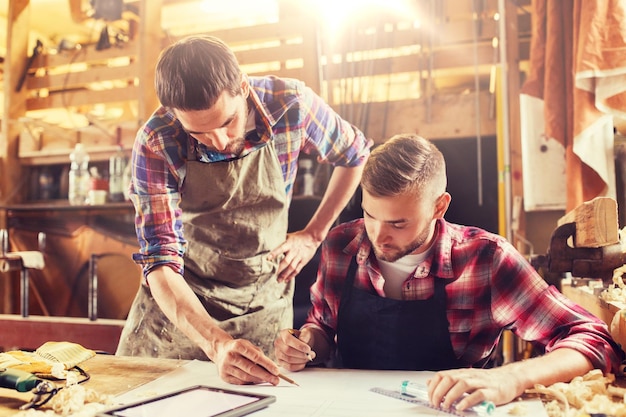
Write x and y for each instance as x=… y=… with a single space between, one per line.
x=192 y=73
x=405 y=163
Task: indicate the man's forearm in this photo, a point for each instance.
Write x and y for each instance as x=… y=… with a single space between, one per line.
x=343 y=182
x=560 y=365
x=181 y=306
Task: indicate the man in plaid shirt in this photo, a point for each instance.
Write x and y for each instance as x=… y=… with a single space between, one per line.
x=404 y=289
x=212 y=176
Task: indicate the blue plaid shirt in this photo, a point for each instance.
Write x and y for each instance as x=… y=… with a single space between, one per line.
x=286 y=112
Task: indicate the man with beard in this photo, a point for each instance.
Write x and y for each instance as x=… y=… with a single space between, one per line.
x=218 y=161
x=404 y=289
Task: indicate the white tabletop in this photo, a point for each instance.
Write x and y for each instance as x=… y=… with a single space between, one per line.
x=321 y=392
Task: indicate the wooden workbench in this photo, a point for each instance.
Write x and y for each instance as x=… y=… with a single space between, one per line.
x=613 y=313
x=110 y=375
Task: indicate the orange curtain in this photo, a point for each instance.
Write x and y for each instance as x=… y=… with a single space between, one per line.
x=578 y=69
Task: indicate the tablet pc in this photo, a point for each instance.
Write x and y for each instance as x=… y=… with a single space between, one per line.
x=196 y=401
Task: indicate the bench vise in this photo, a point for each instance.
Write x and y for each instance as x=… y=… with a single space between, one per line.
x=581 y=262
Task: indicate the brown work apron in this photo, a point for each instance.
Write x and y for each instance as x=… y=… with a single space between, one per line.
x=234 y=213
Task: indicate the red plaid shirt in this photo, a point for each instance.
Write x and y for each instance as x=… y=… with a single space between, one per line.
x=491 y=287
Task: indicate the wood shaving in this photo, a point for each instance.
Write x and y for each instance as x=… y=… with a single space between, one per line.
x=618 y=291
x=583 y=395
x=518 y=410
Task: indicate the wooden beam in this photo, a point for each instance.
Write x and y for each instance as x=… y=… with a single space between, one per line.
x=28 y=333
x=150 y=46
x=308 y=50
x=12 y=182
x=513 y=82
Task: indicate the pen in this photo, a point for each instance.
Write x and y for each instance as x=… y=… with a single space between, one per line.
x=296 y=333
x=420 y=391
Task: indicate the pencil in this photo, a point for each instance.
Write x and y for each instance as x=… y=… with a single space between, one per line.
x=296 y=333
x=285 y=378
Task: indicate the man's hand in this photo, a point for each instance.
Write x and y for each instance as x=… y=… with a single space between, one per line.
x=240 y=362
x=299 y=249
x=292 y=349
x=472 y=386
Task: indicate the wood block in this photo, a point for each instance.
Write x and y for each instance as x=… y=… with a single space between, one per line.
x=618 y=327
x=596 y=223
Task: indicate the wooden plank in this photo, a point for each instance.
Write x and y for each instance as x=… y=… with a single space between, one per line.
x=72 y=80
x=29 y=333
x=86 y=54
x=449 y=34
x=596 y=223
x=584 y=297
x=278 y=52
x=284 y=72
x=386 y=119
x=83 y=97
x=451 y=58
x=257 y=34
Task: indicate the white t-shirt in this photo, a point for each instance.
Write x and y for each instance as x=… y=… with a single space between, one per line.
x=395 y=273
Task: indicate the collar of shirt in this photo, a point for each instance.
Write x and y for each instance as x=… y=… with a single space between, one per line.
x=439 y=263
x=264 y=120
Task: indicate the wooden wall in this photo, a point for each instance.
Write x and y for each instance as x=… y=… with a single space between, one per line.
x=435 y=72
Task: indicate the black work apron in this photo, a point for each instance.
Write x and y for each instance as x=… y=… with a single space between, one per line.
x=234 y=214
x=375 y=332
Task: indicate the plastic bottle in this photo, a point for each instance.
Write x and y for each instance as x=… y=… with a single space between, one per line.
x=79 y=180
x=308 y=178
x=117 y=164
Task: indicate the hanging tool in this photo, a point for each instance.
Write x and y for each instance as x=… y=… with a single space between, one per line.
x=36 y=51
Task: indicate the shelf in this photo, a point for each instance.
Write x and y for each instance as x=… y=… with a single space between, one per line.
x=62 y=156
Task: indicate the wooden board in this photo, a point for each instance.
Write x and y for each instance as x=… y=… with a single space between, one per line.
x=110 y=375
x=613 y=313
x=596 y=223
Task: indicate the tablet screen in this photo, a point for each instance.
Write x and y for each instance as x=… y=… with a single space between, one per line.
x=198 y=401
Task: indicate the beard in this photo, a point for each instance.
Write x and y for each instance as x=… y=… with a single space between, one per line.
x=236 y=146
x=391 y=253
